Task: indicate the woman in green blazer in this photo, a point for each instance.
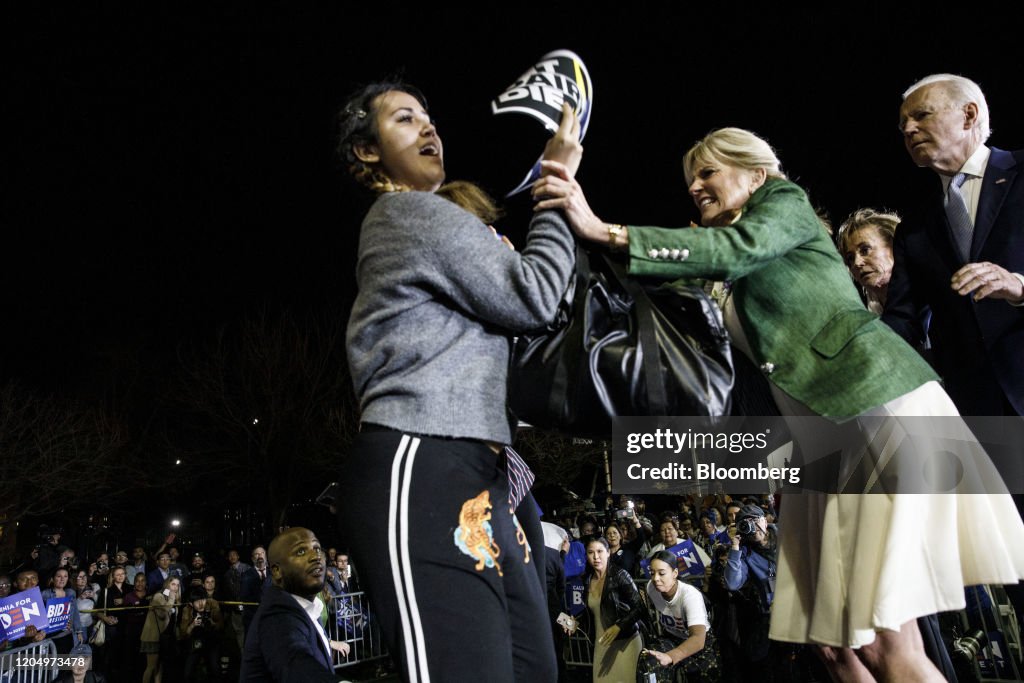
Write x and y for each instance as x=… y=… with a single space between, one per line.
x=791 y=308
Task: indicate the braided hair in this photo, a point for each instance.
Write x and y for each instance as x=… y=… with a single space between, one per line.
x=357 y=125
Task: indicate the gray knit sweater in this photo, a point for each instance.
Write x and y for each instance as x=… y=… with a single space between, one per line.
x=439 y=298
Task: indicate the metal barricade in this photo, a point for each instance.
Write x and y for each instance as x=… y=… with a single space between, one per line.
x=578 y=651
x=989 y=635
x=8 y=674
x=351 y=620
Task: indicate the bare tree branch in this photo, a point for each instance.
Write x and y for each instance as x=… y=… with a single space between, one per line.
x=45 y=443
x=267 y=406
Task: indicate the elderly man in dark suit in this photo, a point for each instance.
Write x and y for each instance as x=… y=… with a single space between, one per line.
x=286 y=641
x=965 y=259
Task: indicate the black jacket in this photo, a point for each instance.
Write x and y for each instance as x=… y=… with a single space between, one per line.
x=620 y=601
x=282 y=644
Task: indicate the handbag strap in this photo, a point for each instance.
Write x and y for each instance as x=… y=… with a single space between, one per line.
x=657 y=395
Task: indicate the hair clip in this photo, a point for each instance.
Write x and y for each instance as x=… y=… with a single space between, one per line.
x=358 y=113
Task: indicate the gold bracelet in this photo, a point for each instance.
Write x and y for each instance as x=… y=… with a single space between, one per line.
x=614 y=230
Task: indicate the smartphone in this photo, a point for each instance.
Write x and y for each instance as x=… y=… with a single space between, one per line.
x=566 y=621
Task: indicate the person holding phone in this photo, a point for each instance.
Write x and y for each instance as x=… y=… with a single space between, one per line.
x=159 y=627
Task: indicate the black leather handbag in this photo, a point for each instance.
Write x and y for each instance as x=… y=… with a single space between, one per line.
x=621 y=346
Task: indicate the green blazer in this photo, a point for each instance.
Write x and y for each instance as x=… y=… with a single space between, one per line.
x=808 y=330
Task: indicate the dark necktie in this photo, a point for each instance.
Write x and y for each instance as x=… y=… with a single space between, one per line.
x=960 y=223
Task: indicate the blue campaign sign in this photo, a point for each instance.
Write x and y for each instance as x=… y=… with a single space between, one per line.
x=21 y=610
x=686 y=554
x=574 y=589
x=58 y=612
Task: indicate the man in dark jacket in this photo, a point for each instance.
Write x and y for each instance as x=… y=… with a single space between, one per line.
x=286 y=641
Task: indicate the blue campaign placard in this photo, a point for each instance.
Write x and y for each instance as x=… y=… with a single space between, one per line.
x=574 y=589
x=58 y=612
x=21 y=610
x=686 y=554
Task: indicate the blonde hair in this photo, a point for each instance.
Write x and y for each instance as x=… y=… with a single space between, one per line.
x=884 y=222
x=735 y=147
x=471 y=198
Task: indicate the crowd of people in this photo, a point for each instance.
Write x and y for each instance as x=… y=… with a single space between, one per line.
x=152 y=616
x=687 y=592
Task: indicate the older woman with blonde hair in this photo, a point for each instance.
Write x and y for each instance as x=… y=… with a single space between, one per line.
x=855 y=571
x=865 y=243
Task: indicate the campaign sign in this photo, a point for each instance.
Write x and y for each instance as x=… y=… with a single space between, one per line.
x=58 y=611
x=687 y=556
x=574 y=589
x=559 y=76
x=20 y=610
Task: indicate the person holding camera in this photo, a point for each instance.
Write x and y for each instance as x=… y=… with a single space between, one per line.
x=200 y=631
x=750 y=571
x=624 y=552
x=46 y=555
x=158 y=630
x=99 y=570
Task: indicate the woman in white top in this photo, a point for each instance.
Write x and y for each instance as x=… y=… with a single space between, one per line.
x=684 y=620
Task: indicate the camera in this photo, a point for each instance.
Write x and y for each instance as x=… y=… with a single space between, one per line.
x=746 y=526
x=967 y=647
x=203 y=618
x=626 y=512
x=102 y=567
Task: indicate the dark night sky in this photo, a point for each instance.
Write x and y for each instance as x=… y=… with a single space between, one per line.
x=168 y=172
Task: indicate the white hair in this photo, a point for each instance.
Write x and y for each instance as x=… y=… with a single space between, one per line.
x=960 y=91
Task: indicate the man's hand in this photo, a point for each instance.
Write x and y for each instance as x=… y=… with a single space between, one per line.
x=988 y=280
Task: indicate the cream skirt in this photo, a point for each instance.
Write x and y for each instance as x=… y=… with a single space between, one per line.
x=853 y=564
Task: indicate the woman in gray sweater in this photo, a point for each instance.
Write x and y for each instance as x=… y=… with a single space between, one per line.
x=425 y=493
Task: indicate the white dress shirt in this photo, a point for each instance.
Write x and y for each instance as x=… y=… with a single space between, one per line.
x=313 y=609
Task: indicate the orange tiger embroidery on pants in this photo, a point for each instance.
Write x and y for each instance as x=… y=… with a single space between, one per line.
x=474 y=536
